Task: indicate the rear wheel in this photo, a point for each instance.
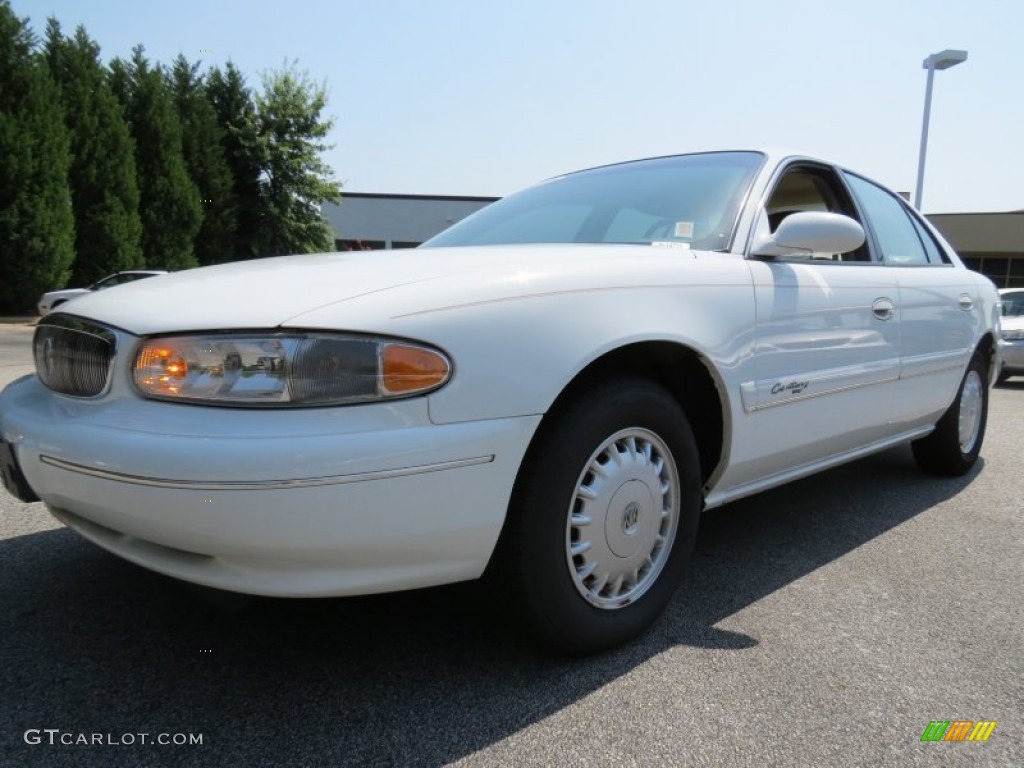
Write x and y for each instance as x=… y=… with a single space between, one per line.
x=953 y=448
x=603 y=517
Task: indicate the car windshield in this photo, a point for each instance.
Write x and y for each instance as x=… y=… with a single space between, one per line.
x=686 y=200
x=119 y=279
x=1013 y=304
x=106 y=282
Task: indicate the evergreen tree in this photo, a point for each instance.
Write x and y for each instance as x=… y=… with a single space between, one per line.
x=104 y=192
x=203 y=150
x=120 y=81
x=36 y=222
x=289 y=133
x=232 y=102
x=168 y=200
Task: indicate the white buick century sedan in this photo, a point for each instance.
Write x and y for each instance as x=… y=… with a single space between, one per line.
x=547 y=394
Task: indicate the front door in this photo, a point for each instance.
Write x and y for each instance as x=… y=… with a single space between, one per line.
x=827 y=350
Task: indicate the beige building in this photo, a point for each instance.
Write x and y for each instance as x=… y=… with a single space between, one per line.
x=991 y=243
x=373 y=221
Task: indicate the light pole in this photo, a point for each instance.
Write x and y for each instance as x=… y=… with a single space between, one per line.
x=941 y=60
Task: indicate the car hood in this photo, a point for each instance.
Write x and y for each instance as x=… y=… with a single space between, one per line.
x=271 y=292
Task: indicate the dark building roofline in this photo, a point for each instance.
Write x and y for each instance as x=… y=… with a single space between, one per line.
x=978 y=213
x=393 y=196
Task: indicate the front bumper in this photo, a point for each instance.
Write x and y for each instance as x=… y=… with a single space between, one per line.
x=1012 y=355
x=311 y=502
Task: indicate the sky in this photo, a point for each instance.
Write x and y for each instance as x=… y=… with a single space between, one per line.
x=484 y=97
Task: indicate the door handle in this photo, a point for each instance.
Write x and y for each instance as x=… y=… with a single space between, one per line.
x=883 y=308
x=966 y=302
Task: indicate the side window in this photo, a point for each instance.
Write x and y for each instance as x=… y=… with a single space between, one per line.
x=812 y=188
x=894 y=228
x=935 y=253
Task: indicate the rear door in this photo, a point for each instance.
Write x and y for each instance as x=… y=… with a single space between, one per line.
x=939 y=302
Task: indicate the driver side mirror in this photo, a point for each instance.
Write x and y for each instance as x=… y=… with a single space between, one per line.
x=809 y=232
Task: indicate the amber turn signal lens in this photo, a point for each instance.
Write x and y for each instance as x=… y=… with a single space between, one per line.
x=406 y=369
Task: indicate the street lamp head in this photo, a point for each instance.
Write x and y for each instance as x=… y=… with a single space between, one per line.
x=944 y=59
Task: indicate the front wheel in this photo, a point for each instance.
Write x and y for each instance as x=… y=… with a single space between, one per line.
x=953 y=448
x=603 y=517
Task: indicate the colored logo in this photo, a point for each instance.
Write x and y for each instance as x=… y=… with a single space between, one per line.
x=958 y=730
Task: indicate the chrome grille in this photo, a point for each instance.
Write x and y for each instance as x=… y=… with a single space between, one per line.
x=73 y=356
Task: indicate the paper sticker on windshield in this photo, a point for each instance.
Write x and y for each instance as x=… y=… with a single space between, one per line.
x=670 y=244
x=684 y=229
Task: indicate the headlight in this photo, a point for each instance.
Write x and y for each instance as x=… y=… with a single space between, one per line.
x=285 y=369
x=1013 y=335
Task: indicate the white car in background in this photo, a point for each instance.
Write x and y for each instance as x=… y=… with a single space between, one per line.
x=1011 y=335
x=53 y=299
x=549 y=393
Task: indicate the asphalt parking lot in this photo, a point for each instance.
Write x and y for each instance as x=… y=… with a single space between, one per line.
x=825 y=623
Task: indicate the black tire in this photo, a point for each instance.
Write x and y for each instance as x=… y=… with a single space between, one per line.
x=944 y=451
x=535 y=571
x=1002 y=378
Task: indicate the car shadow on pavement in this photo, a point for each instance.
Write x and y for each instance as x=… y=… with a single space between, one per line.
x=92 y=644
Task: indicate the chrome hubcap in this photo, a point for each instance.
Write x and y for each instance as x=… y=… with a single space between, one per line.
x=622 y=518
x=970 y=411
